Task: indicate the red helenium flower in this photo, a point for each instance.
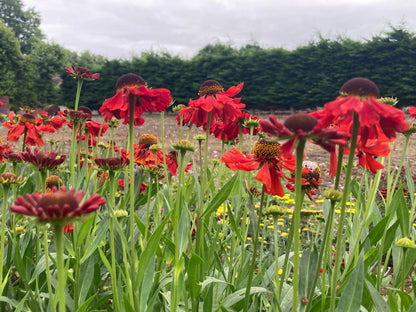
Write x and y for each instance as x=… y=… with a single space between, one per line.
x=145 y=99
x=377 y=120
x=213 y=99
x=58 y=205
x=266 y=158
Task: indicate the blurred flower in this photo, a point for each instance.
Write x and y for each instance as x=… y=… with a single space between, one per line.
x=172 y=163
x=8 y=178
x=112 y=163
x=26 y=125
x=266 y=158
x=133 y=86
x=81 y=73
x=43 y=160
x=56 y=206
x=53 y=181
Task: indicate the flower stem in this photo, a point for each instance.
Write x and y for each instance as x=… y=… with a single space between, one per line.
x=60 y=294
x=6 y=189
x=132 y=213
x=77 y=96
x=299 y=193
x=48 y=274
x=254 y=257
x=353 y=145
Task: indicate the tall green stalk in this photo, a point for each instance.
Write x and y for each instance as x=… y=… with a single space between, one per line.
x=60 y=294
x=345 y=195
x=254 y=256
x=299 y=193
x=132 y=213
x=6 y=189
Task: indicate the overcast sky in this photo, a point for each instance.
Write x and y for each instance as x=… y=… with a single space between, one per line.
x=124 y=28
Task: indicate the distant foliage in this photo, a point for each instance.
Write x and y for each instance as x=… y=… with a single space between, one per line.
x=304 y=78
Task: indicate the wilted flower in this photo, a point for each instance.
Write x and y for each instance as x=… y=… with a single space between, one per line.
x=57 y=206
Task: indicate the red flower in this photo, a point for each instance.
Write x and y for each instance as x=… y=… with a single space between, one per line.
x=81 y=73
x=26 y=124
x=58 y=205
x=172 y=163
x=43 y=160
x=266 y=158
x=213 y=99
x=302 y=125
x=131 y=85
x=377 y=120
x=55 y=121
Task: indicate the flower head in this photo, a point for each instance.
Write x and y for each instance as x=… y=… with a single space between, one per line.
x=57 y=206
x=131 y=86
x=267 y=158
x=81 y=73
x=43 y=160
x=8 y=178
x=112 y=163
x=213 y=98
x=378 y=121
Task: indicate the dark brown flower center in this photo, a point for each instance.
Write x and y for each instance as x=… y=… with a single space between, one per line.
x=300 y=121
x=362 y=87
x=58 y=198
x=28 y=118
x=130 y=80
x=147 y=140
x=85 y=110
x=210 y=87
x=266 y=149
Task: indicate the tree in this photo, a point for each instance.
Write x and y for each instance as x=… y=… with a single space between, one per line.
x=11 y=63
x=24 y=23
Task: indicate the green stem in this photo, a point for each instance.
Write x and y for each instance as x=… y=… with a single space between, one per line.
x=132 y=213
x=77 y=96
x=6 y=189
x=402 y=309
x=254 y=257
x=72 y=154
x=299 y=193
x=345 y=195
x=112 y=181
x=177 y=216
x=59 y=236
x=48 y=274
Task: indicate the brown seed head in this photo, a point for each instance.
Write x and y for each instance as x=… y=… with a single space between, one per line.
x=130 y=80
x=210 y=87
x=362 y=87
x=300 y=121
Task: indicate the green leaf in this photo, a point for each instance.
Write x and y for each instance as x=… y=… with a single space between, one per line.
x=239 y=295
x=307 y=269
x=99 y=234
x=85 y=279
x=402 y=213
x=350 y=300
x=220 y=197
x=379 y=303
